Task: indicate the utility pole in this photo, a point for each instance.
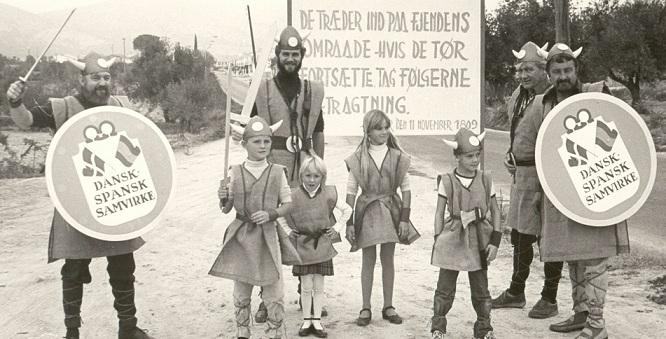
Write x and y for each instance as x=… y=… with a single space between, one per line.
x=124 y=61
x=562 y=21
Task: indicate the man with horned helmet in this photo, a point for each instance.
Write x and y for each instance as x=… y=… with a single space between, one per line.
x=524 y=215
x=586 y=249
x=65 y=242
x=295 y=101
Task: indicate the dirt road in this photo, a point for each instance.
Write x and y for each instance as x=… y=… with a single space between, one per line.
x=176 y=298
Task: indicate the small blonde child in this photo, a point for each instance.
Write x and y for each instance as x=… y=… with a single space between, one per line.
x=253 y=248
x=314 y=230
x=465 y=240
x=379 y=167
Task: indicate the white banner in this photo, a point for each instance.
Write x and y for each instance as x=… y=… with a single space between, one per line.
x=418 y=61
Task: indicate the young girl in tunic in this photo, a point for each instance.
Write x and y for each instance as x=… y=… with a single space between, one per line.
x=251 y=249
x=465 y=240
x=379 y=166
x=314 y=230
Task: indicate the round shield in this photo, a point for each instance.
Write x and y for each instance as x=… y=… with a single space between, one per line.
x=110 y=173
x=595 y=159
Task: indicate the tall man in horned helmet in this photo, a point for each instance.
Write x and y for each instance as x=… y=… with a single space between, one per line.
x=586 y=249
x=297 y=102
x=526 y=193
x=65 y=242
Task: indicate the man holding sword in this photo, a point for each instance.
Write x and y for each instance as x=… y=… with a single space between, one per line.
x=65 y=242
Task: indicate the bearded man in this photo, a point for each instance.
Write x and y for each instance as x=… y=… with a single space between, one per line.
x=65 y=242
x=586 y=249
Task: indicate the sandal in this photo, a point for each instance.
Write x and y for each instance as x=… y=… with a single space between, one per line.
x=363 y=321
x=393 y=319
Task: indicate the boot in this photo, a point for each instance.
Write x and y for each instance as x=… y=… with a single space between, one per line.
x=574 y=323
x=262 y=314
x=72 y=333
x=133 y=333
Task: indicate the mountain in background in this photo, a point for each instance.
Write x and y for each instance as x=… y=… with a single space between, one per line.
x=221 y=26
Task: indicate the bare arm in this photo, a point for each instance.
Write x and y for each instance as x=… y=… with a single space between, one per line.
x=439 y=214
x=318 y=143
x=19 y=114
x=495 y=214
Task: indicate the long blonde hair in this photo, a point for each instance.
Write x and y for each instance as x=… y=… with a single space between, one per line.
x=374 y=119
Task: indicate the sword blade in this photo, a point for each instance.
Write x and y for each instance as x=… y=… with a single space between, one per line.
x=27 y=75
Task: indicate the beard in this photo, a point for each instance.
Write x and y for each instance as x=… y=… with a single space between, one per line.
x=295 y=68
x=99 y=95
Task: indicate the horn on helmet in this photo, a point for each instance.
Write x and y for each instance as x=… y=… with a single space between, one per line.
x=452 y=144
x=481 y=136
x=275 y=126
x=542 y=51
x=576 y=53
x=518 y=55
x=545 y=47
x=81 y=66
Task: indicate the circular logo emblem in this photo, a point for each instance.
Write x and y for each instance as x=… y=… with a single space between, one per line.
x=292 y=41
x=110 y=173
x=474 y=141
x=595 y=159
x=257 y=126
x=294 y=144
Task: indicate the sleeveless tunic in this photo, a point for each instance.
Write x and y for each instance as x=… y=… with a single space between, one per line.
x=456 y=248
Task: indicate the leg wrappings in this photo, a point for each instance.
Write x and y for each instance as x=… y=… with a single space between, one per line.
x=597 y=284
x=577 y=276
x=243 y=318
x=275 y=322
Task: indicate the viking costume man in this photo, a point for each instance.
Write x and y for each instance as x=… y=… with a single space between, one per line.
x=295 y=101
x=586 y=249
x=526 y=193
x=65 y=242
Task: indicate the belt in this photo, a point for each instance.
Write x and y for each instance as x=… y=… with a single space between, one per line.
x=280 y=143
x=312 y=236
x=529 y=162
x=243 y=218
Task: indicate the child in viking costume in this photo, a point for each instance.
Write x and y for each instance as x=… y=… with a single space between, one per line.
x=314 y=230
x=254 y=244
x=379 y=166
x=465 y=240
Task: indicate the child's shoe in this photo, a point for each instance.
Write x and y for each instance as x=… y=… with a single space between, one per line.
x=392 y=318
x=364 y=321
x=508 y=300
x=592 y=333
x=437 y=334
x=262 y=314
x=318 y=329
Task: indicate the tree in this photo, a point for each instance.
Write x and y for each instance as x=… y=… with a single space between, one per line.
x=151 y=72
x=625 y=41
x=513 y=24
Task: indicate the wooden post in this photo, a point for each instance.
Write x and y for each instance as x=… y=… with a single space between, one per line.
x=288 y=12
x=562 y=21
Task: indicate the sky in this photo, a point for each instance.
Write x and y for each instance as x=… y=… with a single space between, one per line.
x=41 y=6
